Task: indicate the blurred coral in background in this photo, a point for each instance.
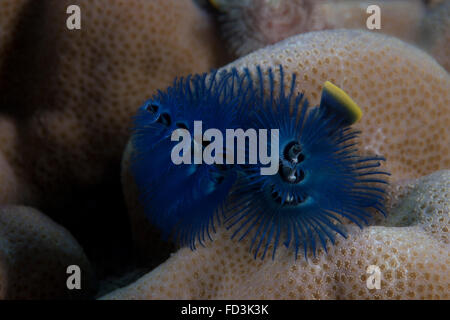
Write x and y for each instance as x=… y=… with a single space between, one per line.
x=248 y=25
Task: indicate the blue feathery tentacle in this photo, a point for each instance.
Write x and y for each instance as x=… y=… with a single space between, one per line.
x=321 y=177
x=183 y=200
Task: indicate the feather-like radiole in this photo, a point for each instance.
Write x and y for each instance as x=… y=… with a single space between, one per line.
x=321 y=178
x=184 y=200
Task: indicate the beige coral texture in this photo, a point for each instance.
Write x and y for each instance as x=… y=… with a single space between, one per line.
x=34 y=255
x=413 y=260
x=68 y=99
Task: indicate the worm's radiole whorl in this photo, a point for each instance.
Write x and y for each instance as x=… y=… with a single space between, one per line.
x=321 y=178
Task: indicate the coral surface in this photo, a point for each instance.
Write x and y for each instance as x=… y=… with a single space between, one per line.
x=252 y=24
x=71 y=120
x=67 y=98
x=412 y=256
x=35 y=253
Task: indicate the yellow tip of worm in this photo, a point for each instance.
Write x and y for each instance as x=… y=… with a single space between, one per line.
x=335 y=98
